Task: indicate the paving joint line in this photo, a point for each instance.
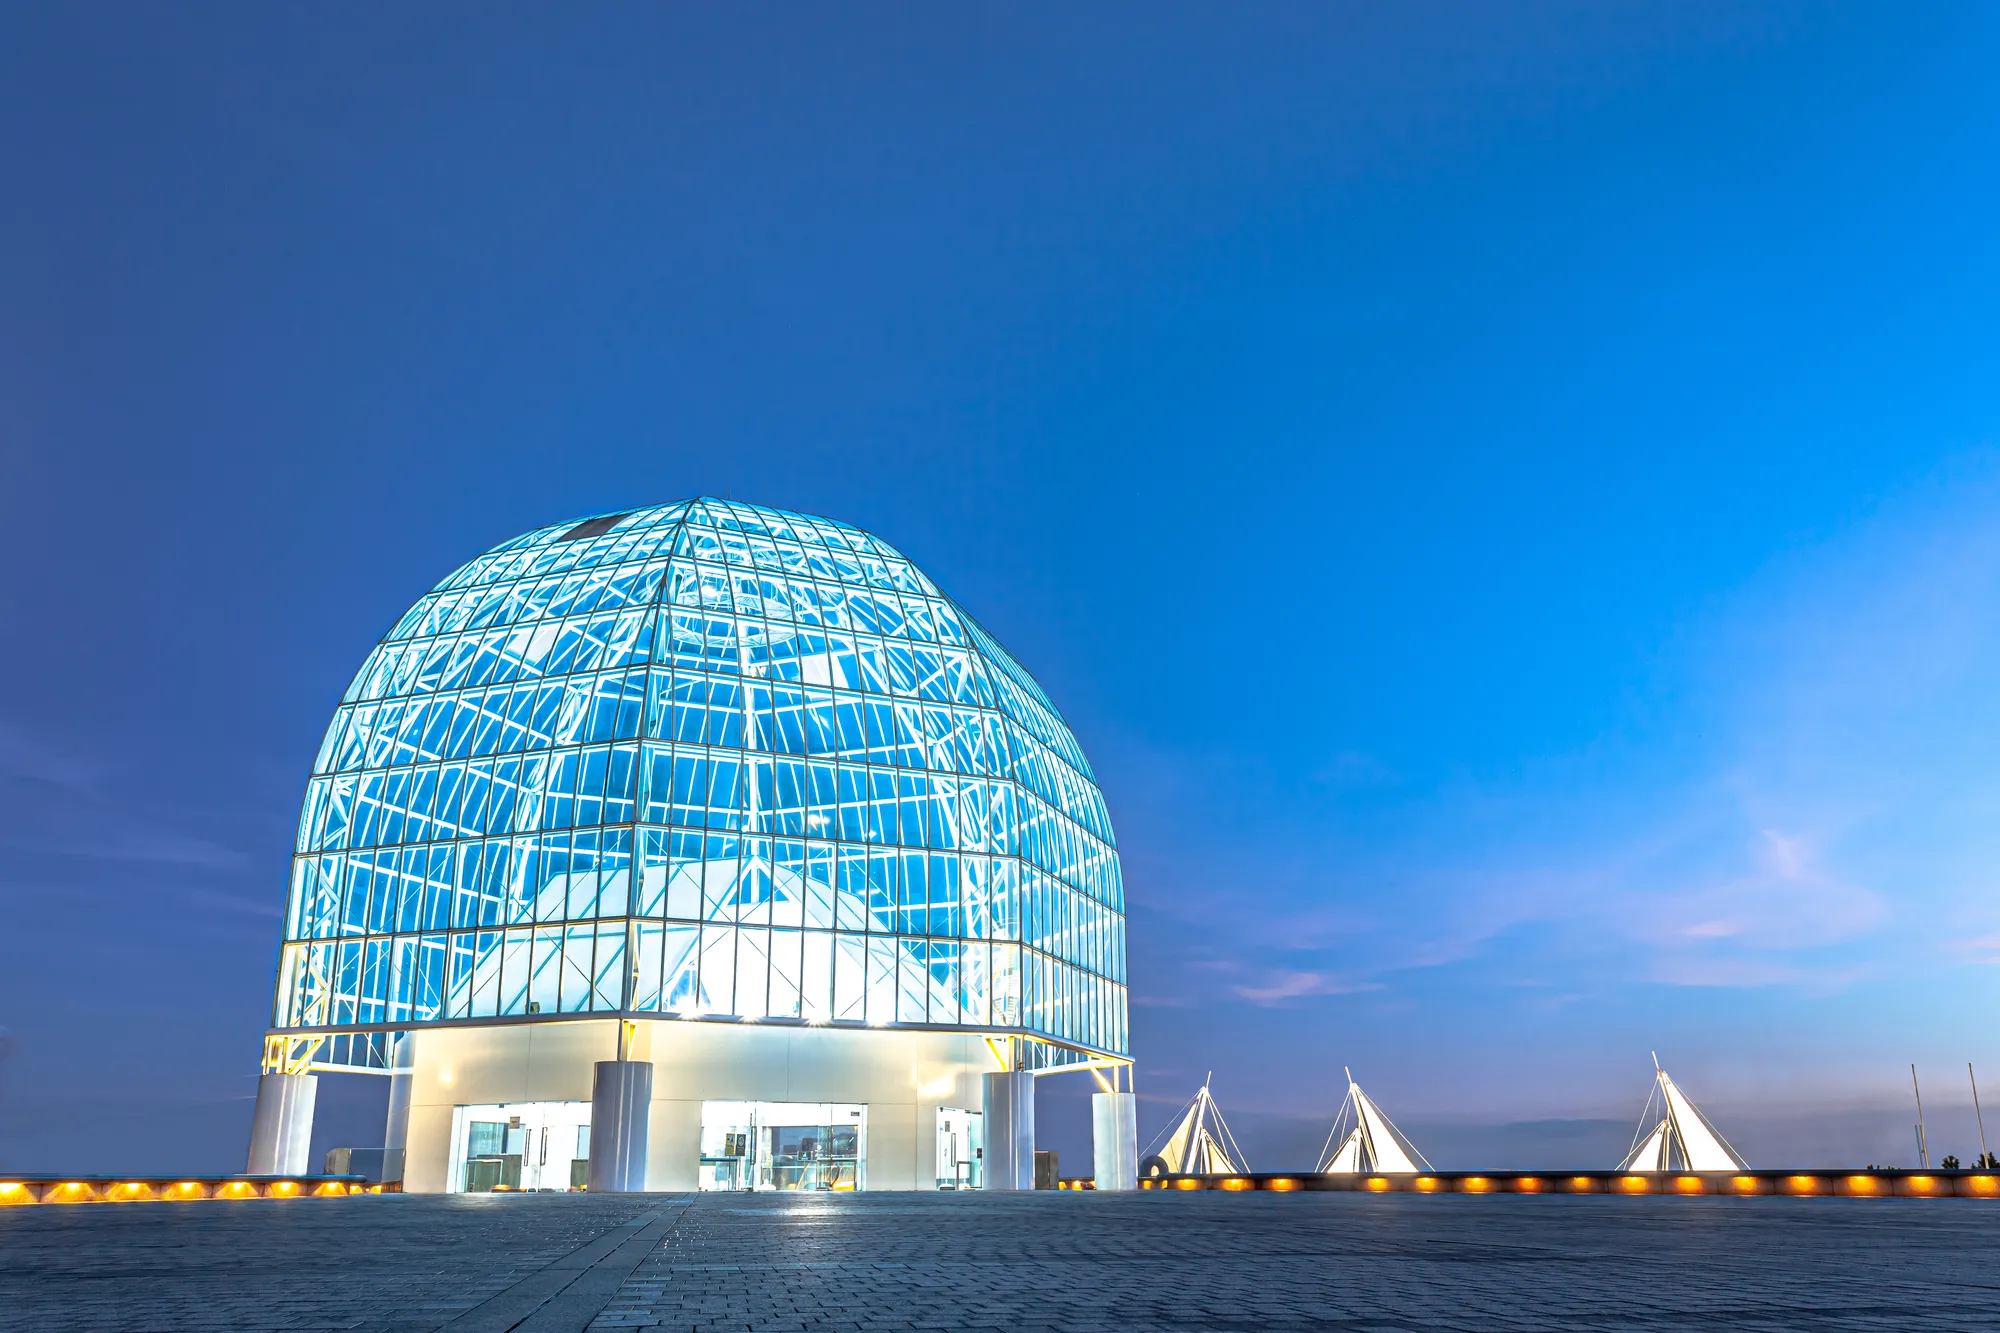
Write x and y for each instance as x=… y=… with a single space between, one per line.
x=564 y=1295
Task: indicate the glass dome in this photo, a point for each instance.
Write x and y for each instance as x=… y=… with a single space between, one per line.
x=704 y=760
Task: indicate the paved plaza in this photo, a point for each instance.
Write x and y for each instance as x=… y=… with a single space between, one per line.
x=1182 y=1262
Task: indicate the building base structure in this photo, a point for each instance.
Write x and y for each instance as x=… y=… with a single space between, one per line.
x=396 y=1129
x=281 y=1126
x=1009 y=1099
x=725 y=1105
x=1114 y=1140
x=621 y=1105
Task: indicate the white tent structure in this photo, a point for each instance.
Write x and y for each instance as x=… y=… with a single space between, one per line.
x=1363 y=1140
x=1682 y=1139
x=1198 y=1143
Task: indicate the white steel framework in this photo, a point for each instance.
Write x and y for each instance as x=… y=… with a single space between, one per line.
x=704 y=760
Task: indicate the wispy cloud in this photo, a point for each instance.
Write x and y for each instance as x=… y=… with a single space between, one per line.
x=36 y=761
x=1280 y=984
x=60 y=801
x=1821 y=807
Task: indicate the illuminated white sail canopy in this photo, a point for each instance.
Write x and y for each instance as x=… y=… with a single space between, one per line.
x=1347 y=1157
x=1650 y=1155
x=1368 y=1141
x=1198 y=1143
x=1682 y=1139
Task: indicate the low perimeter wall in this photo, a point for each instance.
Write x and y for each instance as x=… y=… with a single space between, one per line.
x=17 y=1190
x=1875 y=1184
x=1880 y=1184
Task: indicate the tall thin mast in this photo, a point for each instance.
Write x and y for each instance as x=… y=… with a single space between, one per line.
x=1923 y=1145
x=1985 y=1158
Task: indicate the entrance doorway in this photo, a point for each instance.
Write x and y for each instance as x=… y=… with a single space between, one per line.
x=961 y=1149
x=782 y=1145
x=519 y=1146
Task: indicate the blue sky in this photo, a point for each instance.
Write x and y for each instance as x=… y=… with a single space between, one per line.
x=1506 y=495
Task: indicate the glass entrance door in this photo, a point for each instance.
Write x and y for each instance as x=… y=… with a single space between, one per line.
x=961 y=1149
x=503 y=1147
x=782 y=1145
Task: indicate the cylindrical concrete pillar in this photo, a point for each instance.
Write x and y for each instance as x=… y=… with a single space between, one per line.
x=1010 y=1130
x=281 y=1127
x=402 y=1078
x=1114 y=1140
x=621 y=1104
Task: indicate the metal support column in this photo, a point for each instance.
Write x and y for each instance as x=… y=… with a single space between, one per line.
x=1010 y=1130
x=1114 y=1140
x=402 y=1078
x=621 y=1105
x=281 y=1126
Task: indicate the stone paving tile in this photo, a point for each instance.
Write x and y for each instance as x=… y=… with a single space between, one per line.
x=1317 y=1262
x=1302 y=1263
x=389 y=1262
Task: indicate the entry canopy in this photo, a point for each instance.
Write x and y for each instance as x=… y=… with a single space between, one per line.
x=1198 y=1143
x=1363 y=1140
x=1682 y=1139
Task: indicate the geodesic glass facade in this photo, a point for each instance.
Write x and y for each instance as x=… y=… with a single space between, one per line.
x=704 y=759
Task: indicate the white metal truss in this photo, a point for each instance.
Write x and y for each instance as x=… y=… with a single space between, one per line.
x=701 y=759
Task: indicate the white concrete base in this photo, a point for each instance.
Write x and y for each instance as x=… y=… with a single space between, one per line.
x=281 y=1127
x=621 y=1108
x=1114 y=1140
x=1010 y=1130
x=902 y=1077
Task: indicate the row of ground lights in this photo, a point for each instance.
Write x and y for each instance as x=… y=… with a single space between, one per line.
x=1799 y=1185
x=130 y=1191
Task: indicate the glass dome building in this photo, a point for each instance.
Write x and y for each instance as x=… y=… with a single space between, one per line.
x=733 y=793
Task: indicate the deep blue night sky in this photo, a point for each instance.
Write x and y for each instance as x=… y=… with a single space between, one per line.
x=1506 y=495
